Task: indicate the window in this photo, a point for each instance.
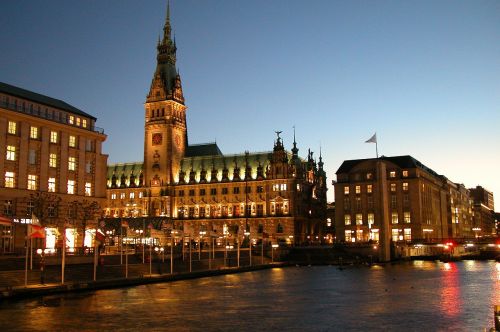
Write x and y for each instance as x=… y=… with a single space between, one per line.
x=370 y=202
x=407 y=234
x=191 y=192
x=52 y=185
x=84 y=123
x=213 y=191
x=53 y=160
x=347 y=219
x=236 y=190
x=260 y=189
x=369 y=176
x=113 y=196
x=407 y=217
x=394 y=217
x=140 y=194
x=72 y=141
x=224 y=191
x=283 y=186
x=202 y=192
x=131 y=195
x=359 y=219
x=53 y=137
x=122 y=195
x=71 y=187
x=395 y=234
x=359 y=235
x=9 y=179
x=347 y=203
x=260 y=210
x=12 y=128
x=358 y=189
x=88 y=189
x=405 y=186
x=371 y=219
x=51 y=210
x=32 y=156
x=328 y=222
x=34 y=132
x=78 y=122
x=394 y=202
x=88 y=167
x=358 y=203
x=392 y=174
x=347 y=236
x=11 y=152
x=7 y=207
x=346 y=190
x=31 y=182
x=405 y=174
x=181 y=193
x=72 y=163
x=369 y=188
x=393 y=187
x=89 y=145
x=406 y=200
x=30 y=208
x=248 y=190
x=71 y=119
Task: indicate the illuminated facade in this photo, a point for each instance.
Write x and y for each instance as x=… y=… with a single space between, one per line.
x=404 y=201
x=196 y=188
x=484 y=215
x=51 y=167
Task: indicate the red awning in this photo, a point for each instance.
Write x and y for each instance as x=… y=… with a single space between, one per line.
x=4 y=221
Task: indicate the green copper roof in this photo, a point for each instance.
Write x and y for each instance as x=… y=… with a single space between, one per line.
x=41 y=99
x=202 y=150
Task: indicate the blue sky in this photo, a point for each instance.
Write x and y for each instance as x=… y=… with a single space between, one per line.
x=425 y=75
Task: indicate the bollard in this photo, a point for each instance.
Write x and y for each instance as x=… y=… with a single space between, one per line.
x=496 y=310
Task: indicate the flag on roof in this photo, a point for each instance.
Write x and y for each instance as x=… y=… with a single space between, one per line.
x=372 y=139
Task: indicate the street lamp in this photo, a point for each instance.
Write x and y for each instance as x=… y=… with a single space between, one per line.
x=274 y=246
x=42 y=266
x=139 y=233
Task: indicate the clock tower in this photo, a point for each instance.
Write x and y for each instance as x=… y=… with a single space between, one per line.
x=165 y=137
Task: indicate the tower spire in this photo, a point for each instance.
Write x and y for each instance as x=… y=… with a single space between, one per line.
x=295 y=151
x=166 y=28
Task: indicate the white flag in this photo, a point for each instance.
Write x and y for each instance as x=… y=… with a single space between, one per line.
x=372 y=139
x=35 y=220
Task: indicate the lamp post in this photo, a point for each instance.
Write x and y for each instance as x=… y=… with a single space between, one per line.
x=272 y=251
x=247 y=233
x=139 y=233
x=202 y=233
x=42 y=266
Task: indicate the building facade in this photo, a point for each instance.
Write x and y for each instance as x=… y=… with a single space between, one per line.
x=401 y=199
x=197 y=189
x=52 y=168
x=484 y=215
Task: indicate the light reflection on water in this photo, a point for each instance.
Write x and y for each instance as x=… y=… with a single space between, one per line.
x=456 y=296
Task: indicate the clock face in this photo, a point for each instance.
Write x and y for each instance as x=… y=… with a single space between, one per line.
x=157 y=138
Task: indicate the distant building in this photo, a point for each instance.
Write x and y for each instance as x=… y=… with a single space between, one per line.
x=484 y=218
x=51 y=167
x=196 y=189
x=401 y=199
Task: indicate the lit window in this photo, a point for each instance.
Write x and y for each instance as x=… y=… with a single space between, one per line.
x=369 y=176
x=371 y=219
x=113 y=196
x=9 y=179
x=89 y=145
x=34 y=132
x=140 y=194
x=71 y=119
x=347 y=219
x=88 y=189
x=31 y=182
x=346 y=190
x=32 y=156
x=71 y=187
x=392 y=174
x=78 y=122
x=328 y=222
x=369 y=188
x=359 y=219
x=53 y=137
x=72 y=141
x=12 y=127
x=132 y=195
x=358 y=189
x=71 y=163
x=11 y=152
x=394 y=217
x=283 y=186
x=347 y=236
x=122 y=195
x=395 y=234
x=359 y=235
x=53 y=160
x=405 y=186
x=393 y=187
x=407 y=217
x=405 y=174
x=84 y=123
x=407 y=234
x=52 y=185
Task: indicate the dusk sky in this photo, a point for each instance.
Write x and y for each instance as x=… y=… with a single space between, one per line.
x=424 y=75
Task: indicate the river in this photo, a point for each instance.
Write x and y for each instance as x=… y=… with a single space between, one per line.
x=413 y=296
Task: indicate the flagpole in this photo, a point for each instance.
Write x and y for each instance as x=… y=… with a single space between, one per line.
x=31 y=253
x=26 y=263
x=63 y=263
x=121 y=243
x=376 y=148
